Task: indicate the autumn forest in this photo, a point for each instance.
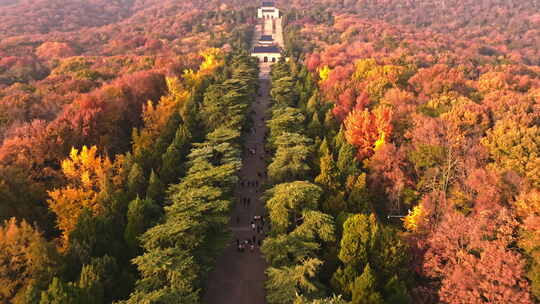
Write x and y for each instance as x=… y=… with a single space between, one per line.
x=401 y=152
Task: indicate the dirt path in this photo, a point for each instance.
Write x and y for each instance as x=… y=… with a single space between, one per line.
x=239 y=276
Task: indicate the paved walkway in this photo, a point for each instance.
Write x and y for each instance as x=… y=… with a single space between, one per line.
x=239 y=276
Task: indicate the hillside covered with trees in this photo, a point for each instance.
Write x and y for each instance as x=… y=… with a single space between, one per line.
x=403 y=150
x=439 y=101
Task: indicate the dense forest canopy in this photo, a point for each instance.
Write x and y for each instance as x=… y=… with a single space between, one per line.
x=404 y=149
x=440 y=101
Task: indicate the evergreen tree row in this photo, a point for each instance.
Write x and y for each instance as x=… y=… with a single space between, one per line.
x=181 y=249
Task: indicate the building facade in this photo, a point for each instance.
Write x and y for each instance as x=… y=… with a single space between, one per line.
x=267 y=53
x=268 y=11
x=266 y=40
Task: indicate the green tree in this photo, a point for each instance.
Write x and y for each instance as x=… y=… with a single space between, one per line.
x=316 y=226
x=285 y=120
x=330 y=124
x=285 y=249
x=283 y=92
x=395 y=291
x=359 y=199
x=60 y=293
x=223 y=104
x=329 y=176
x=313 y=105
x=91 y=286
x=167 y=276
x=347 y=162
x=286 y=202
x=285 y=283
x=364 y=290
x=291 y=159
x=389 y=254
x=324 y=148
x=136 y=180
x=331 y=300
x=342 y=280
x=141 y=215
x=172 y=161
x=315 y=127
x=358 y=238
x=339 y=140
x=156 y=188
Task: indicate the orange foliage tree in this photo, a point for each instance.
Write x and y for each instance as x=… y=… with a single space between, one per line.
x=368 y=130
x=54 y=50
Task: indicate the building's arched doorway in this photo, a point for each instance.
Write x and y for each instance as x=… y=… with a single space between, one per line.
x=265 y=59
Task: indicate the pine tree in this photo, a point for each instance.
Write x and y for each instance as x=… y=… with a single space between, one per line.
x=339 y=140
x=60 y=293
x=91 y=287
x=165 y=138
x=347 y=163
x=330 y=125
x=315 y=127
x=359 y=234
x=329 y=176
x=343 y=278
x=136 y=182
x=359 y=200
x=324 y=149
x=313 y=105
x=156 y=188
x=364 y=290
x=285 y=283
x=141 y=215
x=172 y=160
x=396 y=292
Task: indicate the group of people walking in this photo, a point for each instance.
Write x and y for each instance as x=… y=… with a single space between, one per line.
x=250 y=185
x=257 y=227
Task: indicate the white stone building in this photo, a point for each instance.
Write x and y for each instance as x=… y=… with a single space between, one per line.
x=268 y=11
x=270 y=53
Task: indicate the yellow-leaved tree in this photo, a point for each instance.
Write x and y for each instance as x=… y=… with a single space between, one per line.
x=212 y=59
x=324 y=72
x=156 y=116
x=416 y=219
x=87 y=174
